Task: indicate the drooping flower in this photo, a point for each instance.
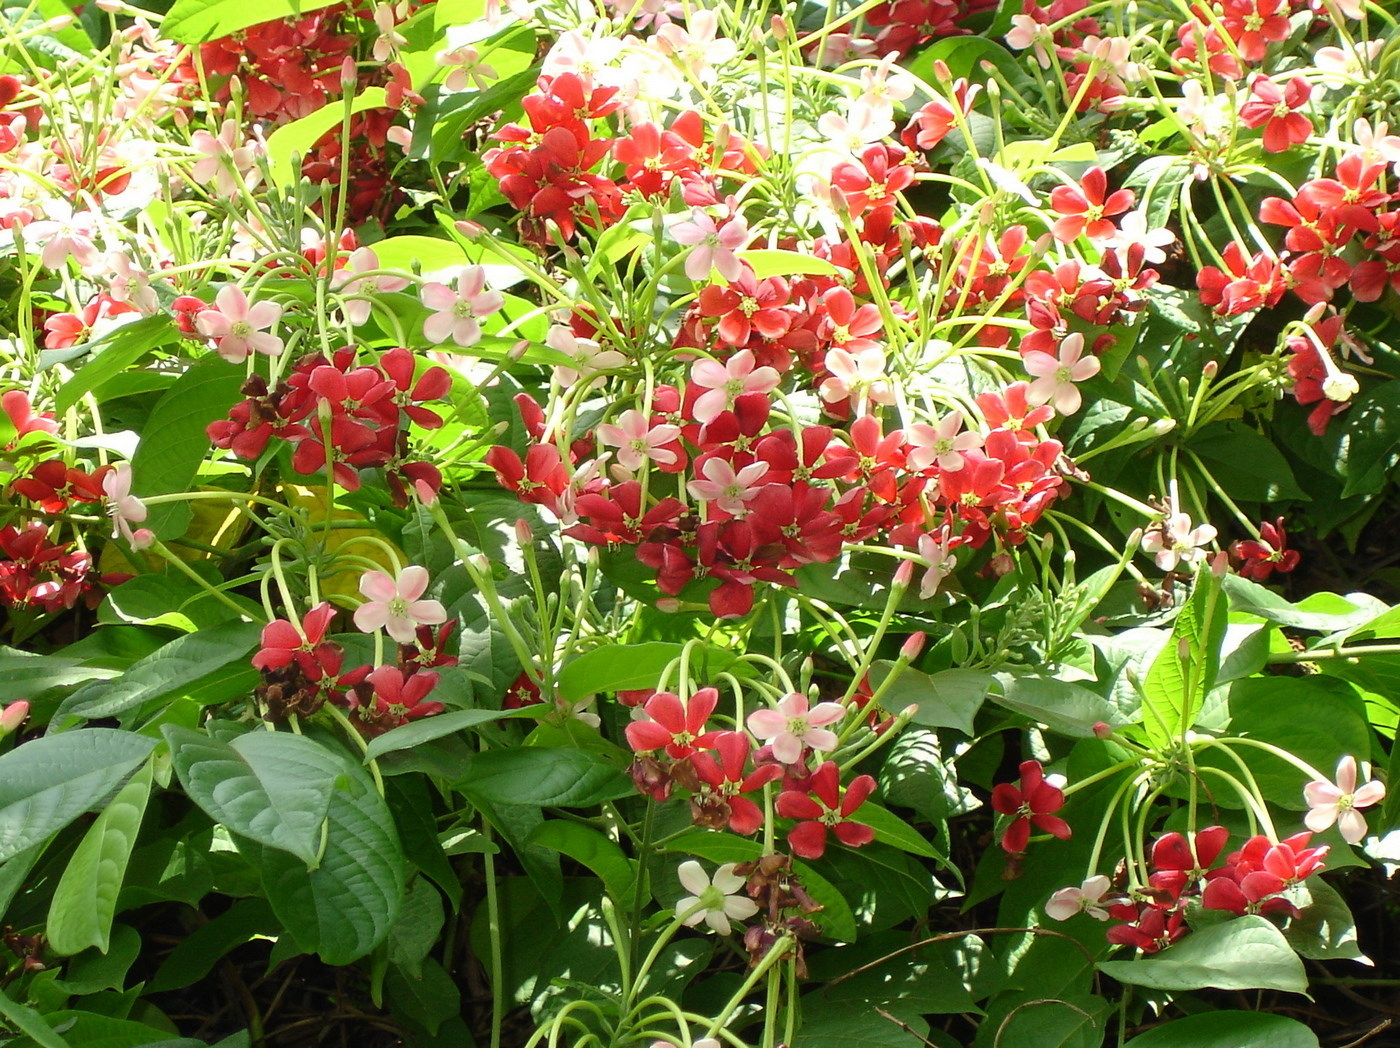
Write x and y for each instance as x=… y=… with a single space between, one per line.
x=1033 y=800
x=394 y=605
x=1263 y=556
x=712 y=900
x=1087 y=898
x=792 y=726
x=1339 y=803
x=124 y=508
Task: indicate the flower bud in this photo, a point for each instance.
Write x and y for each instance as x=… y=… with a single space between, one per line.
x=425 y=492
x=524 y=534
x=470 y=230
x=903 y=575
x=1102 y=730
x=670 y=605
x=348 y=73
x=778 y=25
x=914 y=646
x=12 y=716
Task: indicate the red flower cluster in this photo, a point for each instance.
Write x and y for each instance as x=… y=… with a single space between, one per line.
x=560 y=169
x=302 y=670
x=1251 y=881
x=906 y=24
x=1225 y=35
x=38 y=575
x=353 y=416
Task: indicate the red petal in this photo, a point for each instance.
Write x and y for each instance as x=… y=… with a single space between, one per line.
x=808 y=840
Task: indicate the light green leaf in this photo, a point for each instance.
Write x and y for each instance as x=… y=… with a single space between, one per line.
x=1069 y=709
x=85 y=900
x=624 y=667
x=1326 y=930
x=191 y=661
x=271 y=787
x=30 y=1023
x=1226 y=1029
x=345 y=907
x=1185 y=669
x=195 y=21
x=545 y=777
x=1247 y=953
x=174 y=442
x=121 y=348
x=48 y=782
x=300 y=135
x=772 y=263
x=949 y=699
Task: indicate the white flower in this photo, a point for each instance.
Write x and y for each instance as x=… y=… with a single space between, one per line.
x=1132 y=229
x=712 y=901
x=1087 y=898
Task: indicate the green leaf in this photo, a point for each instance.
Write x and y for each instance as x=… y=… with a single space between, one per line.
x=415 y=733
x=600 y=854
x=94 y=1030
x=430 y=254
x=1247 y=953
x=173 y=669
x=1321 y=611
x=428 y=1000
x=195 y=21
x=296 y=138
x=771 y=263
x=1185 y=669
x=860 y=1025
x=345 y=907
x=1226 y=1029
x=1326 y=930
x=1066 y=708
x=1033 y=1020
x=85 y=900
x=1268 y=709
x=121 y=348
x=417 y=927
x=949 y=699
x=1371 y=436
x=892 y=830
x=271 y=787
x=1246 y=464
x=174 y=441
x=198 y=952
x=624 y=667
x=30 y=1023
x=48 y=782
x=543 y=777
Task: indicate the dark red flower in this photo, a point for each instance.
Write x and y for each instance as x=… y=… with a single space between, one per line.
x=1032 y=801
x=824 y=806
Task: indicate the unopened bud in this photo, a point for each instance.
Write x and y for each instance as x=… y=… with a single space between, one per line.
x=914 y=646
x=426 y=493
x=61 y=22
x=903 y=575
x=349 y=75
x=1210 y=368
x=1102 y=730
x=480 y=562
x=941 y=72
x=778 y=25
x=1315 y=313
x=524 y=534
x=12 y=716
x=518 y=351
x=470 y=230
x=670 y=605
x=1220 y=564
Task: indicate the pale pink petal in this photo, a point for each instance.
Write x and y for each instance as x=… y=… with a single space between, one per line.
x=378 y=586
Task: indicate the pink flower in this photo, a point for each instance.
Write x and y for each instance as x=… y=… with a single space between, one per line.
x=456 y=312
x=937 y=552
x=220 y=157
x=941 y=443
x=394 y=604
x=726 y=382
x=1055 y=377
x=860 y=376
x=124 y=508
x=793 y=726
x=714 y=245
x=637 y=440
x=239 y=326
x=1087 y=898
x=727 y=489
x=67 y=233
x=1339 y=803
x=357 y=288
x=1174 y=541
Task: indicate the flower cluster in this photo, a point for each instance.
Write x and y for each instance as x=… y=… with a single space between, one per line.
x=343 y=415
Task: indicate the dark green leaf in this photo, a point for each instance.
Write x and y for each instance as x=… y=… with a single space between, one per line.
x=1226 y=1029
x=600 y=854
x=198 y=952
x=544 y=777
x=271 y=787
x=174 y=442
x=173 y=669
x=1069 y=709
x=417 y=732
x=345 y=907
x=48 y=782
x=625 y=667
x=949 y=699
x=30 y=1023
x=1326 y=930
x=85 y=899
x=892 y=830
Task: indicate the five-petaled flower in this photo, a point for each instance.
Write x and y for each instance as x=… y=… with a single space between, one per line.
x=824 y=806
x=1087 y=898
x=1034 y=800
x=457 y=312
x=712 y=900
x=676 y=726
x=1338 y=803
x=792 y=726
x=240 y=327
x=394 y=605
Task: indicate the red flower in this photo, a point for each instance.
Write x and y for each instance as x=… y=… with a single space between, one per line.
x=282 y=643
x=1267 y=554
x=678 y=727
x=1033 y=801
x=718 y=799
x=1275 y=110
x=829 y=809
x=1086 y=210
